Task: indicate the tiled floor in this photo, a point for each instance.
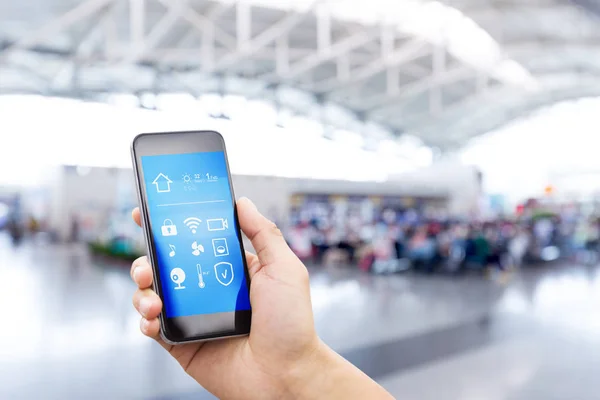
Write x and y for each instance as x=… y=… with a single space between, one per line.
x=69 y=332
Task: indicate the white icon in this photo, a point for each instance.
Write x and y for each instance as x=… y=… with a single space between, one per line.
x=187 y=178
x=168 y=228
x=218 y=224
x=224 y=273
x=172 y=253
x=197 y=249
x=162 y=183
x=178 y=277
x=220 y=247
x=197 y=177
x=201 y=283
x=193 y=223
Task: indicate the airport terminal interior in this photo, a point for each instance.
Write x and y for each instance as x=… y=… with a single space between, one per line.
x=434 y=164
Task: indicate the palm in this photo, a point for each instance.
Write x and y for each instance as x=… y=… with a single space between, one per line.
x=275 y=340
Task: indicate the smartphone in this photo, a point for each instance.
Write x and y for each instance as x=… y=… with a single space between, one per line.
x=193 y=236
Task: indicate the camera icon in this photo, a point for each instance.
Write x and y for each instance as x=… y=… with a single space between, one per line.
x=178 y=277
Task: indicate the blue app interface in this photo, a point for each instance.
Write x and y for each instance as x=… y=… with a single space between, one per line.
x=198 y=252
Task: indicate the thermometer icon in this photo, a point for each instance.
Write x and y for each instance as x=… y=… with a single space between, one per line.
x=201 y=283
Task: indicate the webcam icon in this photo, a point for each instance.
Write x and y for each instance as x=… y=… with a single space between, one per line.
x=178 y=277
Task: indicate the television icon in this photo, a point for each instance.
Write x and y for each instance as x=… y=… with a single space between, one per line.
x=218 y=224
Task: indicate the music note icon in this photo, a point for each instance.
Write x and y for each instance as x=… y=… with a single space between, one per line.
x=172 y=253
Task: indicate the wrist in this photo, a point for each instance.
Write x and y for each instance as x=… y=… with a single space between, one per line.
x=306 y=379
x=325 y=374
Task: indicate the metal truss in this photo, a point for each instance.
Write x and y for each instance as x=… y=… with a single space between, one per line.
x=200 y=46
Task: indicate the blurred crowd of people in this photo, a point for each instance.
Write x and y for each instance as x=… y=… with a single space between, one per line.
x=390 y=239
x=449 y=245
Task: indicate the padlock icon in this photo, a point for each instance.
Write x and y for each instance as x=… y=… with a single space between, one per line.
x=169 y=228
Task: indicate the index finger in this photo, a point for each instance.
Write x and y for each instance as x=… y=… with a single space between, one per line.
x=136 y=216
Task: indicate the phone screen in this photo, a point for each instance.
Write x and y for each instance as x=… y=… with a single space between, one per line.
x=197 y=247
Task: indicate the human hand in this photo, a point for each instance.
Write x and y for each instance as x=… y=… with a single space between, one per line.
x=283 y=356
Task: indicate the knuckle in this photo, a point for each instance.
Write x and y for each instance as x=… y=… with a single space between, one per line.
x=274 y=230
x=304 y=276
x=139 y=262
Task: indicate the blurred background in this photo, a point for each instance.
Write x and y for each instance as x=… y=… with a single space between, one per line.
x=434 y=163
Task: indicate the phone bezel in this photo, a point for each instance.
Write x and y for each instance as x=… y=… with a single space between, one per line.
x=160 y=143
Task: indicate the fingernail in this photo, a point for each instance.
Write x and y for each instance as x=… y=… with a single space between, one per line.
x=145 y=305
x=250 y=202
x=136 y=271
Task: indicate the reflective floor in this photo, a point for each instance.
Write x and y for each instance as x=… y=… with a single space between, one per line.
x=69 y=331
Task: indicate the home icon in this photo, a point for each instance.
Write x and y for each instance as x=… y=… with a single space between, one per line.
x=162 y=183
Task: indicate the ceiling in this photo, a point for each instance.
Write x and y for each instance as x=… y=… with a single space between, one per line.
x=443 y=71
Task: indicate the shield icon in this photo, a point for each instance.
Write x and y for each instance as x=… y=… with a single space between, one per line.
x=224 y=273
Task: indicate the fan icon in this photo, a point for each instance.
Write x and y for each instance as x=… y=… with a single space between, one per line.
x=197 y=249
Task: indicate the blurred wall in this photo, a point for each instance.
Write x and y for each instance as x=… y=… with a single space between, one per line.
x=272 y=194
x=462 y=184
x=86 y=197
x=100 y=199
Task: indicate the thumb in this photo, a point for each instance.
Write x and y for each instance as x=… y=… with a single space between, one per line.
x=266 y=238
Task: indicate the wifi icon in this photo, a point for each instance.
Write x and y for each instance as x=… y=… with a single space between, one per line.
x=193 y=223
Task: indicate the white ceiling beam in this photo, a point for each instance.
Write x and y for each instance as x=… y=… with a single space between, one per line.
x=92 y=37
x=388 y=39
x=439 y=68
x=213 y=13
x=201 y=24
x=75 y=15
x=323 y=29
x=158 y=32
x=111 y=32
x=243 y=25
x=190 y=56
x=137 y=24
x=383 y=101
x=80 y=52
x=162 y=28
x=282 y=55
x=276 y=31
x=207 y=48
x=337 y=49
x=386 y=47
x=411 y=51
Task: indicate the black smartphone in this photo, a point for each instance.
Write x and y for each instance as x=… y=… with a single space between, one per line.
x=193 y=235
